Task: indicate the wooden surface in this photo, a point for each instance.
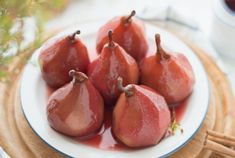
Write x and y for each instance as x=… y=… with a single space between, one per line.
x=18 y=139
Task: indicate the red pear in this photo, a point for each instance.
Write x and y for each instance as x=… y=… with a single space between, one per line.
x=129 y=33
x=168 y=73
x=141 y=116
x=59 y=56
x=76 y=109
x=112 y=63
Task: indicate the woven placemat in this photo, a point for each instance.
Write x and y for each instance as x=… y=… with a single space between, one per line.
x=18 y=139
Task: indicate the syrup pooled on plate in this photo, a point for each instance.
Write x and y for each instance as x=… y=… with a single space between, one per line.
x=105 y=140
x=180 y=110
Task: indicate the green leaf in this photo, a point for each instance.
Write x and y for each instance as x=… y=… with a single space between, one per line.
x=175 y=126
x=3 y=74
x=12 y=11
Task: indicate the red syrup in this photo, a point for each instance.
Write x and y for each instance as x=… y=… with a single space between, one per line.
x=104 y=138
x=180 y=110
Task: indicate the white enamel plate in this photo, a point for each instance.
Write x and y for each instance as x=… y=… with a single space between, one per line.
x=33 y=95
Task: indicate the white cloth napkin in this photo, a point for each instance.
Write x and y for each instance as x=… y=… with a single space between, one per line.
x=165 y=12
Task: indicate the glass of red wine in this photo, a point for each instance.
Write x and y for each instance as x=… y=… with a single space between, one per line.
x=230 y=4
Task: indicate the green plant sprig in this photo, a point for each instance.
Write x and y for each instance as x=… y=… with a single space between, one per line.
x=13 y=12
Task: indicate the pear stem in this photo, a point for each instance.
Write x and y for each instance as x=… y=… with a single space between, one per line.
x=128 y=19
x=110 y=35
x=160 y=50
x=79 y=77
x=128 y=90
x=73 y=36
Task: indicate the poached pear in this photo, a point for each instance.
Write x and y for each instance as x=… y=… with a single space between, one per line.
x=59 y=56
x=128 y=32
x=141 y=116
x=77 y=108
x=168 y=73
x=112 y=63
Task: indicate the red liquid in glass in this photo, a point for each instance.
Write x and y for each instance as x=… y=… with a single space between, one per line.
x=230 y=4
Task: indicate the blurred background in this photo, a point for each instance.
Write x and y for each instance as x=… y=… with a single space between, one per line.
x=199 y=10
x=210 y=24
